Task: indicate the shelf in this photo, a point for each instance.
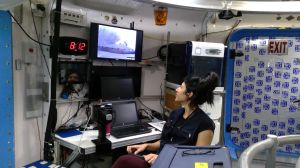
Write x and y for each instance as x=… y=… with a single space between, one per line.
x=61 y=101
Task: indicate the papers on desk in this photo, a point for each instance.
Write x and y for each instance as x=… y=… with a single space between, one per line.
x=158 y=124
x=69 y=133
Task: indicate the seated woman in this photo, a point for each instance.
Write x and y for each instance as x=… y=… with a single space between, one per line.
x=188 y=125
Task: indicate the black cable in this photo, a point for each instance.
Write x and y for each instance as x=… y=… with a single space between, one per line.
x=161 y=96
x=206 y=32
x=37 y=36
x=111 y=63
x=74 y=115
x=218 y=31
x=150 y=58
x=88 y=112
x=52 y=117
x=51 y=8
x=160 y=101
x=78 y=107
x=67 y=112
x=154 y=113
x=39 y=134
x=25 y=31
x=205 y=26
x=149 y=115
x=143 y=104
x=236 y=24
x=146 y=106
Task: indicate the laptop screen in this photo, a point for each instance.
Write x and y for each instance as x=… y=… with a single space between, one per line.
x=124 y=113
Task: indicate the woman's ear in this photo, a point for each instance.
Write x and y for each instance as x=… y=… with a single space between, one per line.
x=190 y=94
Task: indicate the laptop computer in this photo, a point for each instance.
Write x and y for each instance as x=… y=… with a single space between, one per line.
x=125 y=120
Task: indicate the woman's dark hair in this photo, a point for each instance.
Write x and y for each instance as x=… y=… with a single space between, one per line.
x=202 y=88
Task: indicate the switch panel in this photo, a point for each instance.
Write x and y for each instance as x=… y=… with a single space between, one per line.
x=73 y=17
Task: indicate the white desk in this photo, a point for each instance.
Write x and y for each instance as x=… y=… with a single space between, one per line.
x=82 y=144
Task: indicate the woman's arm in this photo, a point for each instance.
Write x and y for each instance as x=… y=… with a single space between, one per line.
x=135 y=149
x=153 y=146
x=204 y=138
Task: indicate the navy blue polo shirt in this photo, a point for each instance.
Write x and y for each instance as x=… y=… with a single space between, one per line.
x=180 y=131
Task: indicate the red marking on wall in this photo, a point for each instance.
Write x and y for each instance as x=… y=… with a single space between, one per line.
x=278 y=47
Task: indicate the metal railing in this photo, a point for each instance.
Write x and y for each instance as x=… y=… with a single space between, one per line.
x=269 y=145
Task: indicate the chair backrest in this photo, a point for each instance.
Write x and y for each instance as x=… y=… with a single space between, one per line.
x=270 y=146
x=216 y=137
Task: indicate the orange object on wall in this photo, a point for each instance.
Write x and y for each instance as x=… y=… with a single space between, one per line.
x=160 y=15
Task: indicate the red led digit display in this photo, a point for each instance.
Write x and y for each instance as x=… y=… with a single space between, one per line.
x=73 y=46
x=82 y=46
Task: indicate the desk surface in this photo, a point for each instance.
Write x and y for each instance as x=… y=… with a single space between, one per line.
x=85 y=145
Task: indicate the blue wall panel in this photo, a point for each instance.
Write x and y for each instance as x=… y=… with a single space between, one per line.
x=6 y=89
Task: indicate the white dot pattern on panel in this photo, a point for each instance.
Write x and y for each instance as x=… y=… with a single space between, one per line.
x=264 y=89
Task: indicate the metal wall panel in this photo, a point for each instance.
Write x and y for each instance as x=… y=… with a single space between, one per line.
x=262 y=87
x=6 y=86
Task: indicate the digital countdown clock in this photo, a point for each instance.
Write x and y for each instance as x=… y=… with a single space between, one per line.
x=73 y=46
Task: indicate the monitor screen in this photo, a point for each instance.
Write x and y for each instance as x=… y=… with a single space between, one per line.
x=72 y=72
x=117 y=88
x=124 y=113
x=117 y=43
x=109 y=74
x=204 y=64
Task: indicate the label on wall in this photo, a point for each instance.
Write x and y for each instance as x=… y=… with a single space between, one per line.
x=277 y=47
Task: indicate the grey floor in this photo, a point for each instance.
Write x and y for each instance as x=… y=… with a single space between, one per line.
x=93 y=162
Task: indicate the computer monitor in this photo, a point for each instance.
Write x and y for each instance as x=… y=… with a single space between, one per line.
x=117 y=88
x=113 y=72
x=117 y=43
x=124 y=113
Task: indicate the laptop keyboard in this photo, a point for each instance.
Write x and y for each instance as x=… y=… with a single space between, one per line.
x=130 y=131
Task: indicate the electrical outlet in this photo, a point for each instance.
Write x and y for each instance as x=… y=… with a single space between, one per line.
x=73 y=17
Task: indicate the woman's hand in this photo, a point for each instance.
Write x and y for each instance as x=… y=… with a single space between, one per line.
x=150 y=158
x=135 y=149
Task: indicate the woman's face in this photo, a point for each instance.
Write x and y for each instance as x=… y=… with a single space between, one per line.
x=181 y=95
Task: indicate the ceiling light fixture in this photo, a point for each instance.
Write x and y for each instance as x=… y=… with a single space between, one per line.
x=264 y=6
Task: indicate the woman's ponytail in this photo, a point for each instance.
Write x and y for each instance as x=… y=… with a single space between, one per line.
x=202 y=88
x=209 y=84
